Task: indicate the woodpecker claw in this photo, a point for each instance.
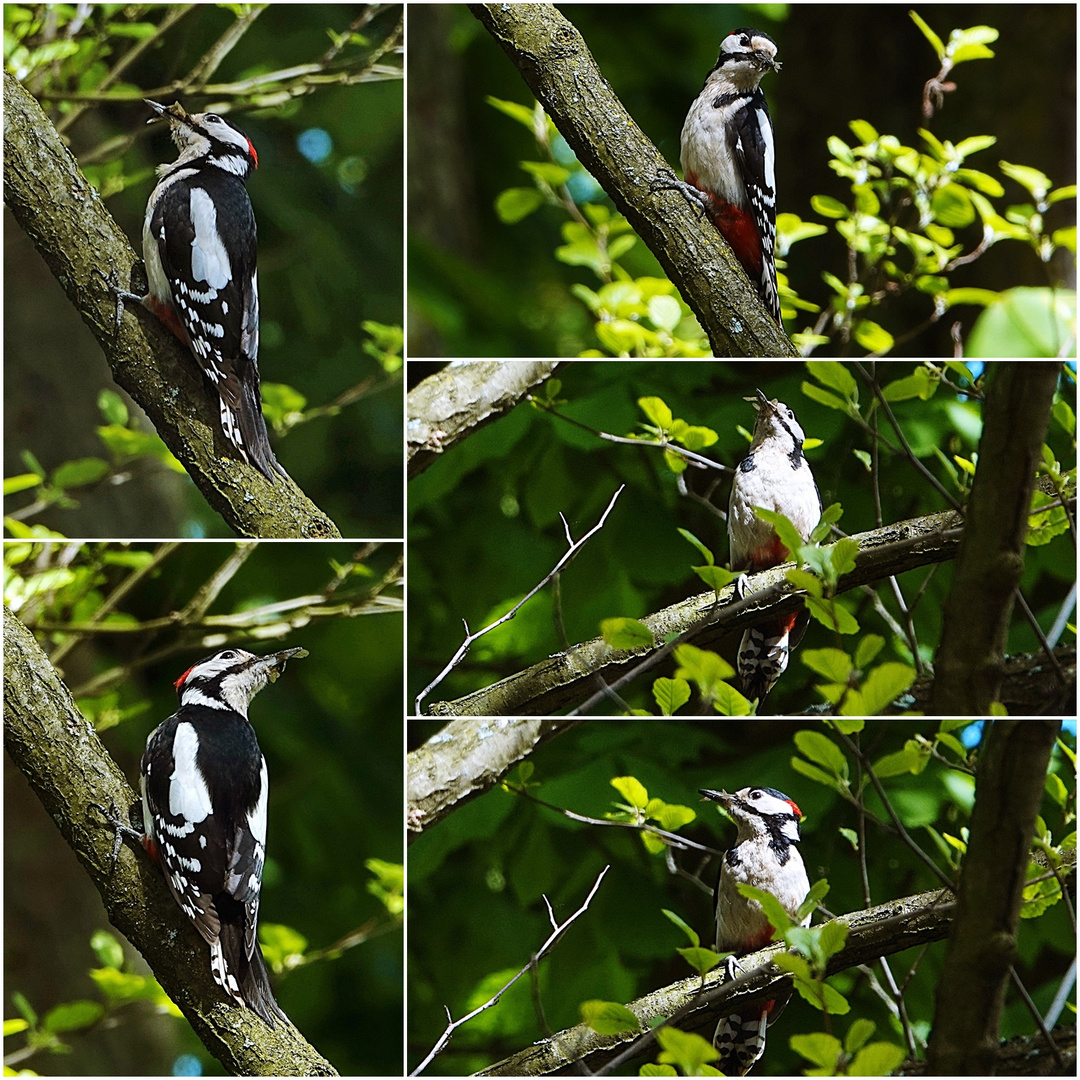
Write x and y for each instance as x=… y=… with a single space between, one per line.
x=112 y=283
x=666 y=180
x=120 y=829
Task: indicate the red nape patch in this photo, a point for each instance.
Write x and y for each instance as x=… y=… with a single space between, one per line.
x=179 y=682
x=791 y=802
x=254 y=156
x=150 y=844
x=169 y=317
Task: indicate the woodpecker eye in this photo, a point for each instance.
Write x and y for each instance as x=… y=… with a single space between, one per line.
x=228 y=654
x=213 y=118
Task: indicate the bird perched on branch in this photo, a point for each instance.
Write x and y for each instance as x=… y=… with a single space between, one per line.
x=775 y=476
x=764 y=855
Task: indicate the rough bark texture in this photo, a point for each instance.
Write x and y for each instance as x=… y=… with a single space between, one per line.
x=555 y=62
x=971 y=654
x=880 y=931
x=465 y=759
x=451 y=405
x=81 y=244
x=70 y=770
x=982 y=944
x=571 y=676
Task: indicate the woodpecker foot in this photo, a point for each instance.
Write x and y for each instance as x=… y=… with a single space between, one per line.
x=120 y=829
x=112 y=283
x=666 y=180
x=732 y=968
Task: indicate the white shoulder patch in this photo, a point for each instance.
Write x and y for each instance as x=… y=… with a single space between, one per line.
x=189 y=796
x=209 y=259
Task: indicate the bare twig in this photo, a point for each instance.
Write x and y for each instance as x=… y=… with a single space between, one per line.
x=567 y=558
x=550 y=943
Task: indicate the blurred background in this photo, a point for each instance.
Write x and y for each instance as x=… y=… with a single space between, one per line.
x=331 y=732
x=328 y=202
x=480 y=287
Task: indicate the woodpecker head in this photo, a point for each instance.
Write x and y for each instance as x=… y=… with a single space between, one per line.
x=206 y=137
x=231 y=678
x=760 y=812
x=745 y=55
x=776 y=421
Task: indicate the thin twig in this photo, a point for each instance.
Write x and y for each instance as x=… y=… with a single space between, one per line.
x=470 y=637
x=551 y=941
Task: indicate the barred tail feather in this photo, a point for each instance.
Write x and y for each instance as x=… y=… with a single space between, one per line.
x=245 y=980
x=243 y=423
x=741 y=1042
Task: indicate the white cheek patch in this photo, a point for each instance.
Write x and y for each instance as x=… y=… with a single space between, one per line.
x=209 y=259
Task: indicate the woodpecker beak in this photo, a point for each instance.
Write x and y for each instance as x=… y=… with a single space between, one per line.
x=274 y=663
x=759 y=401
x=722 y=797
x=175 y=111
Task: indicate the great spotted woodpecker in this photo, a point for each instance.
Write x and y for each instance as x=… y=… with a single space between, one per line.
x=774 y=476
x=729 y=157
x=764 y=855
x=199 y=246
x=204 y=793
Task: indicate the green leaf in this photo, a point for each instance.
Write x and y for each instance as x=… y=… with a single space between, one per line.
x=833 y=374
x=282 y=946
x=938 y=44
x=774 y=910
x=821 y=750
x=690 y=538
x=26 y=1010
x=716 y=577
x=657 y=411
x=832 y=614
x=700 y=959
x=788 y=534
x=608 y=1017
x=869 y=646
x=71 y=1016
x=79 y=473
x=684 y=926
x=623 y=633
x=22 y=482
x=107 y=949
x=632 y=790
x=672 y=816
x=706 y=670
x=685 y=1049
x=877 y=1059
x=112 y=407
x=872 y=337
x=829 y=207
x=515 y=204
x=884 y=685
x=521 y=113
x=671 y=694
x=823 y=1050
x=664 y=311
x=858 y=1035
x=551 y=174
x=648 y=1069
x=14 y=1027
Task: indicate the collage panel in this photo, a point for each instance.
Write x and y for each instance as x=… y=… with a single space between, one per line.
x=694 y=180
x=600 y=537
x=219 y=193
x=562 y=918
x=237 y=904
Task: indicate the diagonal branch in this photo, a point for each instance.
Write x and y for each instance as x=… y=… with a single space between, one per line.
x=567 y=677
x=555 y=62
x=70 y=771
x=80 y=242
x=692 y=1004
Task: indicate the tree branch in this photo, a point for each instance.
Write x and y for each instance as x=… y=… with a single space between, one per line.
x=465 y=759
x=555 y=62
x=982 y=945
x=971 y=654
x=450 y=405
x=80 y=242
x=567 y=677
x=881 y=931
x=70 y=771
